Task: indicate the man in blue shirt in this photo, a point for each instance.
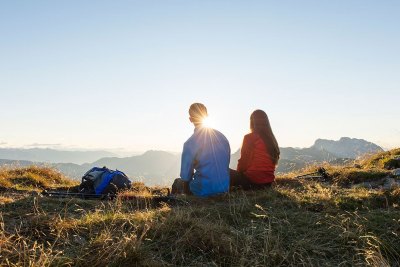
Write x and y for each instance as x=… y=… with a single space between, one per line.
x=205 y=157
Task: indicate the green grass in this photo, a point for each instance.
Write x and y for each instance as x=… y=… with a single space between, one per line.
x=294 y=223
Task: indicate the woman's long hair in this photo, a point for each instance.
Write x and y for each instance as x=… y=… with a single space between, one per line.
x=259 y=123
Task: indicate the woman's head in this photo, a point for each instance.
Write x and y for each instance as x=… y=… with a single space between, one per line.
x=259 y=123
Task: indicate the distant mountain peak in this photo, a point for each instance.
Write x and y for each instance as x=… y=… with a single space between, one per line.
x=347 y=147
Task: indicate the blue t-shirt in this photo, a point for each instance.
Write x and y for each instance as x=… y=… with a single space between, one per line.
x=205 y=162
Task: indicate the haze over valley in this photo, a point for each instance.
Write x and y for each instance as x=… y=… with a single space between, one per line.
x=161 y=167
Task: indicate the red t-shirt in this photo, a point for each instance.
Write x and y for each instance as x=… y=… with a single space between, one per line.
x=255 y=161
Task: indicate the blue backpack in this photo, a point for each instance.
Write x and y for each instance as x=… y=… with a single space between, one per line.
x=101 y=181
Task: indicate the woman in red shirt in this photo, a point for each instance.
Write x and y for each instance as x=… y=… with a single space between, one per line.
x=259 y=155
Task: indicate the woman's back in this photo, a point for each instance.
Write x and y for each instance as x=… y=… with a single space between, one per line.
x=261 y=160
x=255 y=161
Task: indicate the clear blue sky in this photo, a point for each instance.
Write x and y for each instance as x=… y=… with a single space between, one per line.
x=122 y=74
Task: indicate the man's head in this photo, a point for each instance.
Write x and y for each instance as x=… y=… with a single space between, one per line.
x=197 y=113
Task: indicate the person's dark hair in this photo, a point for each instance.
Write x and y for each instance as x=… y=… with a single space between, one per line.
x=198 y=112
x=259 y=123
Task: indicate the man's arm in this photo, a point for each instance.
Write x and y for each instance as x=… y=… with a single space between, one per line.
x=187 y=163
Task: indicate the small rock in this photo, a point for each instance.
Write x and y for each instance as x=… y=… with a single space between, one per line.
x=392 y=164
x=362 y=185
x=368 y=185
x=396 y=172
x=357 y=166
x=80 y=240
x=390 y=183
x=35 y=194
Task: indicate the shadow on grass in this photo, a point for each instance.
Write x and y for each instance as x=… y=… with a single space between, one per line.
x=271 y=228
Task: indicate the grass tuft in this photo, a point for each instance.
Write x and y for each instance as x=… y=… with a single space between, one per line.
x=33 y=177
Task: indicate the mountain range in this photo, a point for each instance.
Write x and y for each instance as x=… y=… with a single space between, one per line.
x=335 y=152
x=160 y=167
x=52 y=155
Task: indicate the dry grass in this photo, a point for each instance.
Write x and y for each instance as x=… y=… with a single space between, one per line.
x=339 y=175
x=33 y=177
x=380 y=160
x=294 y=223
x=275 y=227
x=5 y=200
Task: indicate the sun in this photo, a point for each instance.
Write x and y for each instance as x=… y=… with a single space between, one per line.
x=208 y=122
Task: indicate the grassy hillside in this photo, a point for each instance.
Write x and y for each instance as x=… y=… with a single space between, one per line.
x=294 y=223
x=33 y=178
x=385 y=159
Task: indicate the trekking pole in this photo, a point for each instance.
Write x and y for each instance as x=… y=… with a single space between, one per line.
x=78 y=195
x=169 y=199
x=320 y=173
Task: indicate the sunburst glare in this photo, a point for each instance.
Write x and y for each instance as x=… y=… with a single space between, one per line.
x=208 y=122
